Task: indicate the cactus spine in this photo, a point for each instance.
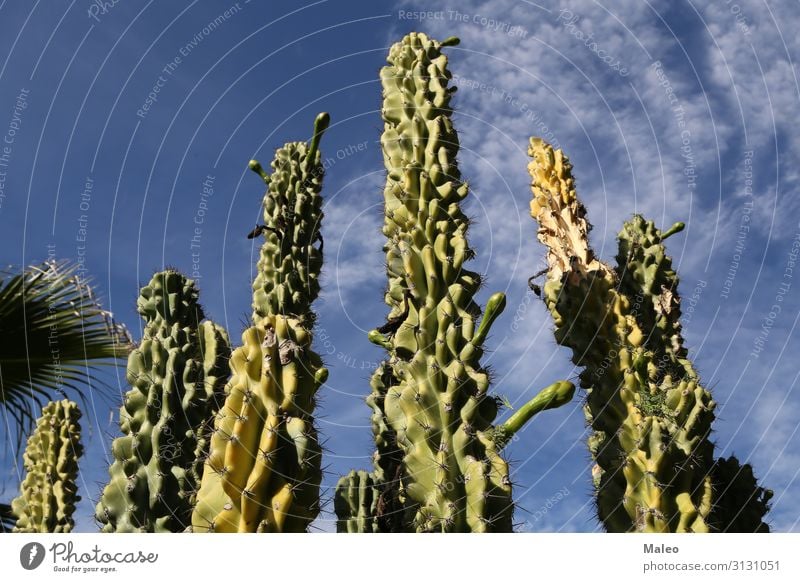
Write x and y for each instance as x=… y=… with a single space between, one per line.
x=651 y=419
x=48 y=494
x=177 y=374
x=436 y=402
x=264 y=466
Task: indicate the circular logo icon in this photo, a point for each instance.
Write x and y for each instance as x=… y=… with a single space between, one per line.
x=31 y=555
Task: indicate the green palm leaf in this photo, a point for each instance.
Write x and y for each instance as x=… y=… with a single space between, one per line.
x=52 y=331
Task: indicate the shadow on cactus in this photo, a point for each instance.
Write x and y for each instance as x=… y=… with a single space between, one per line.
x=438 y=466
x=650 y=417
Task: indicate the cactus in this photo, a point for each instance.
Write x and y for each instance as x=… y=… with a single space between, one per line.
x=48 y=494
x=176 y=374
x=740 y=504
x=650 y=417
x=356 y=503
x=263 y=470
x=380 y=510
x=452 y=476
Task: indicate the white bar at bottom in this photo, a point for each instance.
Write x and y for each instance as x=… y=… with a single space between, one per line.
x=407 y=558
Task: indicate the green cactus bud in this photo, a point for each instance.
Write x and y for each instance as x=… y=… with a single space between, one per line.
x=651 y=419
x=554 y=396
x=263 y=471
x=177 y=374
x=48 y=494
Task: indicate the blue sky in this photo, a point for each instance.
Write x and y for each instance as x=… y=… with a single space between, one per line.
x=681 y=113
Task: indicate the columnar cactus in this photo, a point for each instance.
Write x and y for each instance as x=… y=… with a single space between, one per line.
x=263 y=471
x=356 y=503
x=48 y=493
x=435 y=403
x=177 y=374
x=384 y=511
x=650 y=417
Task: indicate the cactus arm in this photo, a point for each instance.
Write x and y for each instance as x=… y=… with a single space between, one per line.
x=377 y=338
x=674 y=229
x=321 y=123
x=49 y=493
x=494 y=307
x=554 y=396
x=177 y=374
x=263 y=471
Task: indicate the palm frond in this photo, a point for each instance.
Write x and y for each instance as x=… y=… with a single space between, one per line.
x=53 y=332
x=7 y=518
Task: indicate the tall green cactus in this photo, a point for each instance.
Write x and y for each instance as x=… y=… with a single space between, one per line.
x=436 y=404
x=264 y=467
x=177 y=374
x=48 y=493
x=651 y=419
